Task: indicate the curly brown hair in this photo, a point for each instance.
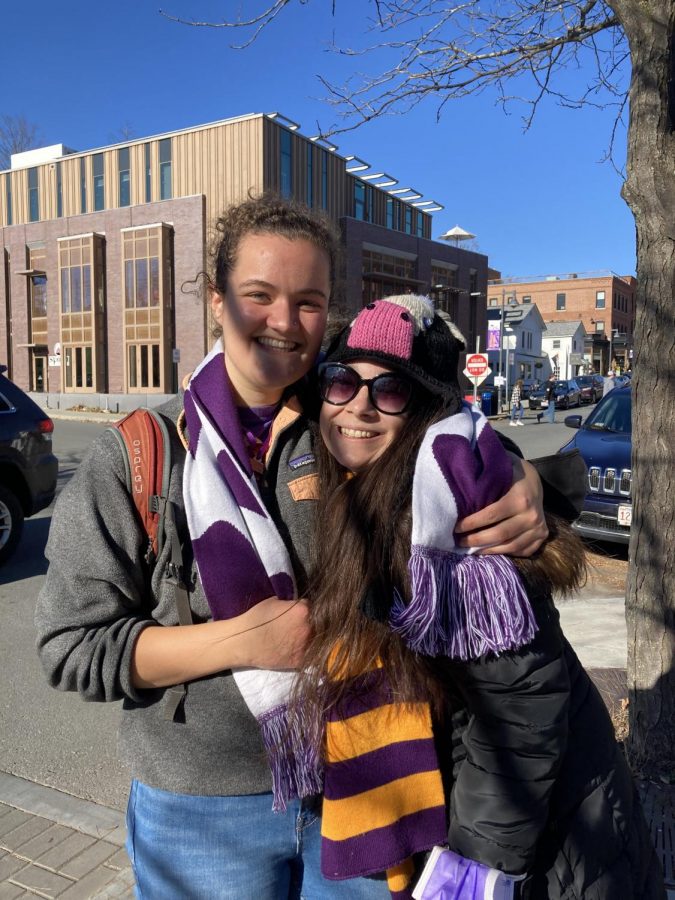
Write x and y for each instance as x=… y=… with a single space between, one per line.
x=268 y=214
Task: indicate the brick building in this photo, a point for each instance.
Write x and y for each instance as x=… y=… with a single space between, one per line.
x=603 y=301
x=99 y=250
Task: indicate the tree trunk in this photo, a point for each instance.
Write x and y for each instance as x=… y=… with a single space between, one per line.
x=650 y=192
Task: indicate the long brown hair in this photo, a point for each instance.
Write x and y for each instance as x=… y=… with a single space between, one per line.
x=360 y=554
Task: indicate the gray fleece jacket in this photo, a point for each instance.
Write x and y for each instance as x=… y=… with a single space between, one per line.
x=99 y=594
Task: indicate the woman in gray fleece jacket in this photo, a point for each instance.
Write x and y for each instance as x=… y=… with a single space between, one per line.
x=200 y=820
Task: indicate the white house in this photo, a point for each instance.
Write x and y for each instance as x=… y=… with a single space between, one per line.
x=521 y=342
x=563 y=343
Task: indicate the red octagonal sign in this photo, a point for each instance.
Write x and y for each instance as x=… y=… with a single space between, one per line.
x=477 y=364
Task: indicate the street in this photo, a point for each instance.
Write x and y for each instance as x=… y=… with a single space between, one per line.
x=53 y=738
x=46 y=736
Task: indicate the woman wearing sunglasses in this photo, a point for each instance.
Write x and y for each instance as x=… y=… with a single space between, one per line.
x=203 y=725
x=450 y=709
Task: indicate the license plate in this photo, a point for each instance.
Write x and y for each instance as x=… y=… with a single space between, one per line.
x=625 y=515
x=544 y=403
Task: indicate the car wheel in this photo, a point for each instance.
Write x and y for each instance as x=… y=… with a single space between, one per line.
x=11 y=523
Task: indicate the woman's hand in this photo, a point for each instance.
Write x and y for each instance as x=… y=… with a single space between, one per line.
x=514 y=525
x=270 y=635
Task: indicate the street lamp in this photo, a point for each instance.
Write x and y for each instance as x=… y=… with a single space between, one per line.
x=613 y=335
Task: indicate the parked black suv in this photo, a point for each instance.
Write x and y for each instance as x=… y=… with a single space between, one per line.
x=604 y=441
x=28 y=468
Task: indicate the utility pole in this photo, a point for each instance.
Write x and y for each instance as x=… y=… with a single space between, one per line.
x=501 y=352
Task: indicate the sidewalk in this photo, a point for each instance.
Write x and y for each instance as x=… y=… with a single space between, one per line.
x=55 y=845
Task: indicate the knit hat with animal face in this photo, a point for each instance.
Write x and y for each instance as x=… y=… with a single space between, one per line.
x=405 y=332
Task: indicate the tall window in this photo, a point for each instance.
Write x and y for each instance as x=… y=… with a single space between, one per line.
x=390 y=212
x=359 y=200
x=99 y=184
x=369 y=202
x=599 y=299
x=286 y=164
x=560 y=301
x=38 y=298
x=408 y=219
x=147 y=308
x=8 y=197
x=75 y=269
x=83 y=185
x=81 y=281
x=59 y=191
x=123 y=166
x=310 y=176
x=37 y=310
x=420 y=224
x=33 y=196
x=148 y=173
x=324 y=180
x=165 y=186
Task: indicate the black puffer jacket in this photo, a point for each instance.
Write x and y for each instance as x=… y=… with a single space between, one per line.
x=536 y=780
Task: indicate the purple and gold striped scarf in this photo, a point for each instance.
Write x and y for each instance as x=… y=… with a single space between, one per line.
x=383 y=795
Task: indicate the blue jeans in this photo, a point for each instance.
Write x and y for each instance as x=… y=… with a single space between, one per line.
x=517 y=412
x=185 y=847
x=549 y=412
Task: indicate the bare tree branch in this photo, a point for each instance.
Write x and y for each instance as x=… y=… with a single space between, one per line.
x=451 y=51
x=16 y=135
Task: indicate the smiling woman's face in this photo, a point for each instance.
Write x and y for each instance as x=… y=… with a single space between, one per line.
x=273 y=314
x=356 y=434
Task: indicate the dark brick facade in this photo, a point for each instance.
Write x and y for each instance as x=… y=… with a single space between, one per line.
x=186 y=216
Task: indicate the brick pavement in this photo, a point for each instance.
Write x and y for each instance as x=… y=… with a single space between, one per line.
x=55 y=845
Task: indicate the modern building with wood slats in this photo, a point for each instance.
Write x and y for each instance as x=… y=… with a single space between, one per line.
x=100 y=251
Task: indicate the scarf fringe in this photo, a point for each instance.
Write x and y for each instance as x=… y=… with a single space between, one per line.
x=463 y=606
x=293 y=758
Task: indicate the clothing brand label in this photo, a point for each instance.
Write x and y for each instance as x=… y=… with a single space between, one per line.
x=299 y=461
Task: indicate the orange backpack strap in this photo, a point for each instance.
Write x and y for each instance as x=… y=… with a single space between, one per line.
x=146 y=450
x=145 y=441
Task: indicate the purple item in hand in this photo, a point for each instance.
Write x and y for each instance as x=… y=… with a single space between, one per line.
x=449 y=876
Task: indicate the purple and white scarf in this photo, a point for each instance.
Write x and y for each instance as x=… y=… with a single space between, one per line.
x=241 y=559
x=461 y=605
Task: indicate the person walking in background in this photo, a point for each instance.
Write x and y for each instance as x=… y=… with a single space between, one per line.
x=609 y=383
x=549 y=396
x=517 y=408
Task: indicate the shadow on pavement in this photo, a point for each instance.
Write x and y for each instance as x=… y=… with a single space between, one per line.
x=29 y=558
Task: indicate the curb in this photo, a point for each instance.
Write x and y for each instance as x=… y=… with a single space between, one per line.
x=90 y=818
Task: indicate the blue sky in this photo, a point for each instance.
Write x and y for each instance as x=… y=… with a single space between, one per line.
x=540 y=202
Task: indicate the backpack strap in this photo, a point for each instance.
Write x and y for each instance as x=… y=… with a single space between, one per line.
x=146 y=446
x=144 y=439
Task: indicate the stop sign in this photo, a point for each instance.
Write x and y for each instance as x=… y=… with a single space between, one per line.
x=477 y=364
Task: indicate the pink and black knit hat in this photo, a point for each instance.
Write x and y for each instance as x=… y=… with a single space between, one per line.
x=405 y=332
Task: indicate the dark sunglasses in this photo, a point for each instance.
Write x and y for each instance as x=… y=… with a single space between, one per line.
x=389 y=393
